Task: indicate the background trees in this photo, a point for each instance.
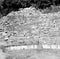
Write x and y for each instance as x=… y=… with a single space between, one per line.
x=7 y=6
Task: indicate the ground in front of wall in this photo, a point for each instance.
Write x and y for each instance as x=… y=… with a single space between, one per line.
x=35 y=54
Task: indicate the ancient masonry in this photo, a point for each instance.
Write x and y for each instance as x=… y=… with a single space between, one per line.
x=30 y=29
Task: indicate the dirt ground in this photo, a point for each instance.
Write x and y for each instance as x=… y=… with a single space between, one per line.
x=34 y=54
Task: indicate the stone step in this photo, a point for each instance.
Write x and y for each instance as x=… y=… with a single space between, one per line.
x=22 y=47
x=51 y=46
x=34 y=47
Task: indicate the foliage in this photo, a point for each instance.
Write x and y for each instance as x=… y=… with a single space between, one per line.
x=6 y=6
